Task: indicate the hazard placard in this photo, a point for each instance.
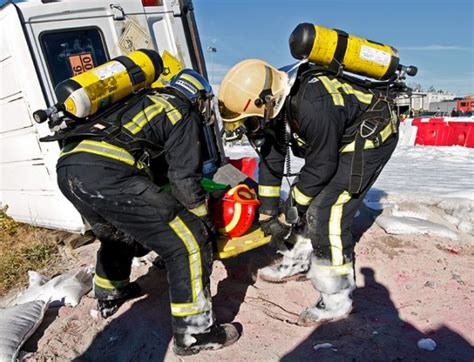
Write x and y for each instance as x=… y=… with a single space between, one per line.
x=81 y=63
x=134 y=37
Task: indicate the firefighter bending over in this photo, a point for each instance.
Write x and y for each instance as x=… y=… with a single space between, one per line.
x=106 y=176
x=346 y=133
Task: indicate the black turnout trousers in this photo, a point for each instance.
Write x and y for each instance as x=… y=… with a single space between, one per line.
x=123 y=206
x=331 y=212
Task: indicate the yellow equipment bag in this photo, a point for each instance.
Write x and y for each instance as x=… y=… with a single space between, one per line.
x=91 y=91
x=341 y=51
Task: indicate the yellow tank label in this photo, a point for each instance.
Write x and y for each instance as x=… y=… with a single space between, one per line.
x=324 y=46
x=109 y=90
x=361 y=56
x=367 y=58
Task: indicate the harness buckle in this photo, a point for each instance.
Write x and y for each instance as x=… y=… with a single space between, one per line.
x=144 y=159
x=377 y=141
x=367 y=129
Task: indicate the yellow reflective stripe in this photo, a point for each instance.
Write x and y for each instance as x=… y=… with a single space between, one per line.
x=268 y=191
x=361 y=96
x=301 y=198
x=332 y=270
x=142 y=118
x=171 y=112
x=185 y=309
x=103 y=149
x=235 y=219
x=110 y=284
x=333 y=86
x=369 y=144
x=335 y=220
x=387 y=132
x=333 y=91
x=200 y=211
x=195 y=268
x=193 y=81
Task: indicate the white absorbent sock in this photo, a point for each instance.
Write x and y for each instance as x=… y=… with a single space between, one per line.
x=197 y=324
x=335 y=288
x=294 y=262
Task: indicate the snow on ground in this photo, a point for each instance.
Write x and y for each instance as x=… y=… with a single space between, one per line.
x=426 y=190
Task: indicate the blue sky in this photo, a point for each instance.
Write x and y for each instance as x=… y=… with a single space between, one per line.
x=437 y=36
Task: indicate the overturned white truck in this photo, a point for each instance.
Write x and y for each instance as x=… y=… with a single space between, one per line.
x=45 y=42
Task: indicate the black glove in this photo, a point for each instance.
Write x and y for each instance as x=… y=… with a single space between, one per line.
x=208 y=224
x=271 y=225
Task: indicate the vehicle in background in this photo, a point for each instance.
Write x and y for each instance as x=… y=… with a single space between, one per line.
x=465 y=107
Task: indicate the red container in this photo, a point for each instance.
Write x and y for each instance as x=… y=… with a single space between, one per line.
x=247 y=165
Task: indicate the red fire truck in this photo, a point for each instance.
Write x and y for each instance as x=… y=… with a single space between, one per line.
x=465 y=106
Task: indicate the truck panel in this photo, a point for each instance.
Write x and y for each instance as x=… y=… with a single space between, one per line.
x=35 y=176
x=15 y=114
x=40 y=208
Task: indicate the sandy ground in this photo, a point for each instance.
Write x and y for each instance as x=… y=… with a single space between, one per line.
x=409 y=287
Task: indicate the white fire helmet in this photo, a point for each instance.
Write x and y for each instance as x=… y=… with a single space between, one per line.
x=252 y=88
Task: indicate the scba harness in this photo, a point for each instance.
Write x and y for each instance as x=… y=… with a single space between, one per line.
x=104 y=135
x=368 y=131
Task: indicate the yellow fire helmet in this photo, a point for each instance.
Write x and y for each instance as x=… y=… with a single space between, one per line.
x=252 y=88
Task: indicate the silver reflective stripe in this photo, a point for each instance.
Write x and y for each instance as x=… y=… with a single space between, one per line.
x=103 y=149
x=333 y=270
x=195 y=269
x=335 y=220
x=268 y=191
x=301 y=198
x=142 y=118
x=171 y=112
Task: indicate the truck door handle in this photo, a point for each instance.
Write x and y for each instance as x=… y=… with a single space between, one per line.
x=117 y=12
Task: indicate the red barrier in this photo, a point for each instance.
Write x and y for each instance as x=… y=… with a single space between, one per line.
x=431 y=133
x=437 y=132
x=462 y=133
x=247 y=165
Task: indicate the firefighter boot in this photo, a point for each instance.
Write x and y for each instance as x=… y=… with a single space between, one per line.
x=108 y=306
x=335 y=302
x=216 y=337
x=293 y=266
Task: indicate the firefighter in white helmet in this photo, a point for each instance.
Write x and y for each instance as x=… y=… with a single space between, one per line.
x=345 y=132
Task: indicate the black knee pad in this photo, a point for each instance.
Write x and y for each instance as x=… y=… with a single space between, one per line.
x=109 y=233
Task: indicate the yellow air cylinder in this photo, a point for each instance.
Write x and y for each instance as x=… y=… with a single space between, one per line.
x=335 y=48
x=91 y=91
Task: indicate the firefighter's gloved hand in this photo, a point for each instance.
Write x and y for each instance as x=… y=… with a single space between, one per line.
x=209 y=225
x=202 y=212
x=276 y=227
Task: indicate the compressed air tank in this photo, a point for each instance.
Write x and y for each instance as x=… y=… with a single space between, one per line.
x=335 y=48
x=91 y=91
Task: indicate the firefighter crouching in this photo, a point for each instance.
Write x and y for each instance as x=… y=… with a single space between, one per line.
x=346 y=133
x=106 y=177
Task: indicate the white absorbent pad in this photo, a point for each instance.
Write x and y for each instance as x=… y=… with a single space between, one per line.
x=67 y=288
x=17 y=324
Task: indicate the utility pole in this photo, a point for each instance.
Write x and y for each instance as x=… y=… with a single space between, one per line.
x=212 y=50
